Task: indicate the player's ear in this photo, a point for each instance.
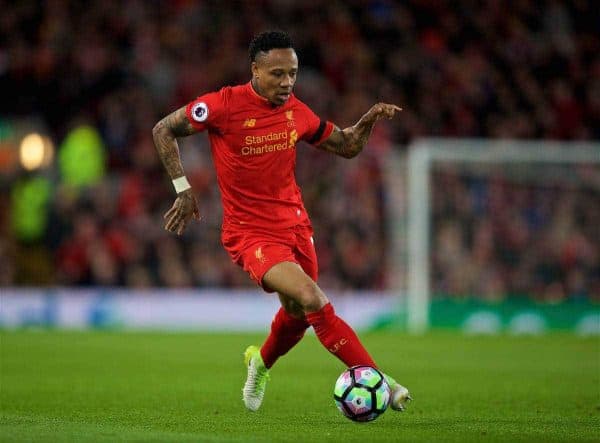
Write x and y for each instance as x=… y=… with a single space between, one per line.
x=254 y=68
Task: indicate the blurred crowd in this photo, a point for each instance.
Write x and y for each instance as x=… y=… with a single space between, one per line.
x=496 y=237
x=516 y=69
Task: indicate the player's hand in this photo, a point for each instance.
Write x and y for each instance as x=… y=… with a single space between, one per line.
x=183 y=210
x=381 y=110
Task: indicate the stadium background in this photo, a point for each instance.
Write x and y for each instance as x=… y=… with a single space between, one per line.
x=514 y=249
x=95 y=78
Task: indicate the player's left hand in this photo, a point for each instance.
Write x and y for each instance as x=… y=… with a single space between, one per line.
x=381 y=110
x=183 y=210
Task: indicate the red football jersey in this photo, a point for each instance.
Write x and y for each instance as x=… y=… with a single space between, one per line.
x=253 y=145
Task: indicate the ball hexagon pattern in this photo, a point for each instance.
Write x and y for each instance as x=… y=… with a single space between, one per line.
x=358 y=400
x=361 y=393
x=367 y=376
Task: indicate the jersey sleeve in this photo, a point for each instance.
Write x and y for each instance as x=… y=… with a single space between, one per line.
x=209 y=111
x=317 y=130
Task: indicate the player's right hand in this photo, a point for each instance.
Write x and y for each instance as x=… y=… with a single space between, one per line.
x=382 y=110
x=183 y=210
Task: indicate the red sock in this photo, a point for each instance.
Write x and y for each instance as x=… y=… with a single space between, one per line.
x=286 y=331
x=338 y=337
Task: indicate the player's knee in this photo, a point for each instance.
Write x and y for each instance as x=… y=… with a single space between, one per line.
x=311 y=298
x=293 y=308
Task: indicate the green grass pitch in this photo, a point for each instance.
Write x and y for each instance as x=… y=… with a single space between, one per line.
x=180 y=387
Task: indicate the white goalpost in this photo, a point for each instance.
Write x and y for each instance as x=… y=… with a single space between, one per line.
x=423 y=154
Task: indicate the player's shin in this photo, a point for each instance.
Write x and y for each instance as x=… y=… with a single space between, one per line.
x=338 y=337
x=286 y=332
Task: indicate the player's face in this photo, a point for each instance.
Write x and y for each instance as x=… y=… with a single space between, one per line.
x=274 y=74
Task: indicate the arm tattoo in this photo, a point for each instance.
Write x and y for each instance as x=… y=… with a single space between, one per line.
x=165 y=135
x=349 y=142
x=337 y=143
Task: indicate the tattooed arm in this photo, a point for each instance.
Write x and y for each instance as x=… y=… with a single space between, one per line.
x=350 y=141
x=165 y=134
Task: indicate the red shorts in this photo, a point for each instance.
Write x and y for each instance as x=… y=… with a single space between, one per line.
x=257 y=251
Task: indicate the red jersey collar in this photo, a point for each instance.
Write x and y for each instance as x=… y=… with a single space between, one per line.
x=259 y=99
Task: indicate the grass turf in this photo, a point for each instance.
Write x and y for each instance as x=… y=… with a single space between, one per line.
x=113 y=386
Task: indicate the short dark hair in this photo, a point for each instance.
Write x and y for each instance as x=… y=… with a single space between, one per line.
x=265 y=41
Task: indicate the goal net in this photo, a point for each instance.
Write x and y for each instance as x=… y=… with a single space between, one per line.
x=498 y=219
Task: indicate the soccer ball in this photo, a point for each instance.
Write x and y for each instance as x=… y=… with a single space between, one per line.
x=361 y=393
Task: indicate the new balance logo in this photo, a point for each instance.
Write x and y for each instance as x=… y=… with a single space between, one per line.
x=250 y=123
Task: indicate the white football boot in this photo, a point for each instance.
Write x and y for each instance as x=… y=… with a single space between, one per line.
x=256 y=381
x=399 y=395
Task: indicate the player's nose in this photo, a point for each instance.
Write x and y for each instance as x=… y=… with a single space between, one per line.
x=287 y=82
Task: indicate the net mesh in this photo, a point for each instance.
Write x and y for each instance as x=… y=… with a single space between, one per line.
x=527 y=229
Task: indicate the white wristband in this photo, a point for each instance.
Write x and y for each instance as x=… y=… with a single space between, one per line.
x=181 y=184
